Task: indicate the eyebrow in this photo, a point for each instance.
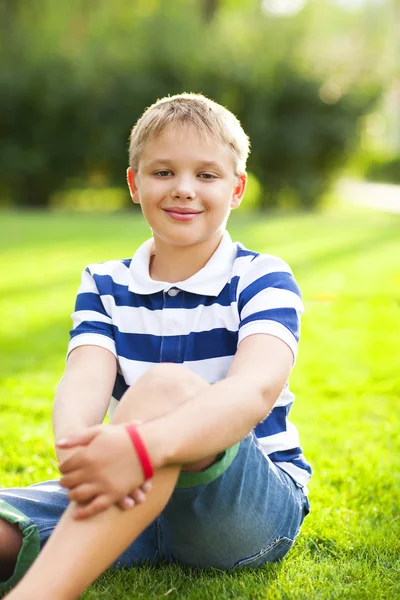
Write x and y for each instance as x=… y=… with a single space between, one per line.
x=165 y=161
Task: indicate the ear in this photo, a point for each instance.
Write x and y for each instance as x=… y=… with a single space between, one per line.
x=239 y=190
x=131 y=177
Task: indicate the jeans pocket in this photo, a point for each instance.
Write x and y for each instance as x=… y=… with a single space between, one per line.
x=272 y=553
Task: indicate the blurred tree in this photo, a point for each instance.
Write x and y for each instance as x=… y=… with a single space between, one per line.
x=72 y=86
x=209 y=9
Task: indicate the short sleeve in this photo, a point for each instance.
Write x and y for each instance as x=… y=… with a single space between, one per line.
x=92 y=325
x=269 y=301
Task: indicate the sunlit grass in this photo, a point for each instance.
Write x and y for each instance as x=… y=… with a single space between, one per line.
x=347 y=383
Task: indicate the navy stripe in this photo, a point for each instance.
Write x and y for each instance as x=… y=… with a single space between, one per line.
x=242 y=251
x=93 y=327
x=90 y=301
x=286 y=455
x=120 y=387
x=138 y=346
x=302 y=464
x=211 y=344
x=278 y=279
x=225 y=298
x=195 y=346
x=123 y=297
x=294 y=456
x=285 y=316
x=274 y=423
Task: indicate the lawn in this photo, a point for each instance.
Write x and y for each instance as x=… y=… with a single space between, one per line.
x=347 y=384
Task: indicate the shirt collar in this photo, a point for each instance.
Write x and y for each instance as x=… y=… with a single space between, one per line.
x=209 y=281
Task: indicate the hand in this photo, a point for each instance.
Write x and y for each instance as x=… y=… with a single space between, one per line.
x=91 y=474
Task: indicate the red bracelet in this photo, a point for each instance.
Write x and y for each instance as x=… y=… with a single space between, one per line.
x=141 y=451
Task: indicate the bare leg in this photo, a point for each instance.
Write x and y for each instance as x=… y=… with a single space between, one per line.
x=10 y=545
x=78 y=551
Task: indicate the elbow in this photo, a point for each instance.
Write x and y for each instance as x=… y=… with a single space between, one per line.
x=269 y=394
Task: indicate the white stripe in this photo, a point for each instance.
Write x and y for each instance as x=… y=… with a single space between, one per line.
x=300 y=475
x=141 y=320
x=260 y=266
x=92 y=339
x=241 y=264
x=281 y=441
x=114 y=268
x=80 y=316
x=87 y=284
x=211 y=369
x=133 y=369
x=285 y=398
x=270 y=298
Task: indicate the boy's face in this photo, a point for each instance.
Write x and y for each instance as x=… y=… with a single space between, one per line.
x=186 y=187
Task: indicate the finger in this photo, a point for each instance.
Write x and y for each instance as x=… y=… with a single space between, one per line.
x=82 y=494
x=147 y=486
x=126 y=503
x=99 y=504
x=138 y=496
x=79 y=439
x=73 y=463
x=73 y=479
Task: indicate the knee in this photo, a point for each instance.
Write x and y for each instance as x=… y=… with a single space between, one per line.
x=174 y=382
x=162 y=388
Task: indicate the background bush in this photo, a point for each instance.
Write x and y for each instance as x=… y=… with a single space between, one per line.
x=72 y=86
x=384 y=169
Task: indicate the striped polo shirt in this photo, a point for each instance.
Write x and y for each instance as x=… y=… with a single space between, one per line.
x=198 y=323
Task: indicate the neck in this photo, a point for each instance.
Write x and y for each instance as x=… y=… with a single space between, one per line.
x=178 y=263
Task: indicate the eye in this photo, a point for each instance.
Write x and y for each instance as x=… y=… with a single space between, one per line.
x=163 y=173
x=208 y=176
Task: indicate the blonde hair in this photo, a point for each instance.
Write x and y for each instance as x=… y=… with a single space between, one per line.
x=207 y=117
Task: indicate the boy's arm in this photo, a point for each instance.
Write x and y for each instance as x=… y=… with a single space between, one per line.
x=84 y=392
x=201 y=428
x=228 y=410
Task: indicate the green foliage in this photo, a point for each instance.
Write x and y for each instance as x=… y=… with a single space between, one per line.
x=73 y=86
x=299 y=140
x=45 y=128
x=384 y=169
x=346 y=381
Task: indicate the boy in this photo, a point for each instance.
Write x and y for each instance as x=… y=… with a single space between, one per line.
x=196 y=337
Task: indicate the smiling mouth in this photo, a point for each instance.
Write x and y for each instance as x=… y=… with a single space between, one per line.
x=182 y=211
x=183 y=215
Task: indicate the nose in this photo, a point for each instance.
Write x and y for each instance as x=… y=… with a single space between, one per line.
x=183 y=189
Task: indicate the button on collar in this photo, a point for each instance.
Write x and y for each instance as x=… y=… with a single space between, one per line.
x=173 y=292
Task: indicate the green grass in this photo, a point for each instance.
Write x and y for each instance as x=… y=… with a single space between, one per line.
x=347 y=383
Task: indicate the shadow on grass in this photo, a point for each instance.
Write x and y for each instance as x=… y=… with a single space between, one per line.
x=341 y=252
x=40 y=349
x=176 y=581
x=26 y=351
x=20 y=291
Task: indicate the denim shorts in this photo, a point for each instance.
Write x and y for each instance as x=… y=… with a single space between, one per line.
x=242 y=511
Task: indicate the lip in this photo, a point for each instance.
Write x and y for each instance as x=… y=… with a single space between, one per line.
x=182 y=210
x=182 y=214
